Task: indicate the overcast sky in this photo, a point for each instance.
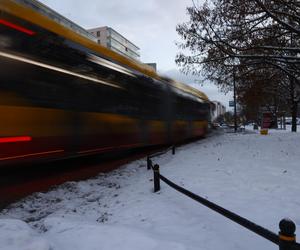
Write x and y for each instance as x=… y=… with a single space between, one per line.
x=150 y=24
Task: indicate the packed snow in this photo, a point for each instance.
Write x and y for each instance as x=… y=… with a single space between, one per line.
x=253 y=175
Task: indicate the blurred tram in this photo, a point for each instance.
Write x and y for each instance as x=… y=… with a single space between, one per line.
x=63 y=95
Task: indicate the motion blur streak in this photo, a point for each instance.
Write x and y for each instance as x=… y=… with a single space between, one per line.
x=68 y=92
x=15 y=139
x=109 y=148
x=17 y=27
x=47 y=66
x=95 y=150
x=33 y=154
x=109 y=64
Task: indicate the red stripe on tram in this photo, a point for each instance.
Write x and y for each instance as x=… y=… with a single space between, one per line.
x=15 y=139
x=17 y=27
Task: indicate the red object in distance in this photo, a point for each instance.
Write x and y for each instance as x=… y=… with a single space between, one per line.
x=17 y=27
x=15 y=139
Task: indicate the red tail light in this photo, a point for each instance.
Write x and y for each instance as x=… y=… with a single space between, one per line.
x=14 y=139
x=17 y=27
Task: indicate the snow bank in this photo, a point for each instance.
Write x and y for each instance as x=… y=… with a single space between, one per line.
x=17 y=235
x=255 y=176
x=72 y=235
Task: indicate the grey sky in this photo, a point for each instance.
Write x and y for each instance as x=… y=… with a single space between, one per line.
x=150 y=24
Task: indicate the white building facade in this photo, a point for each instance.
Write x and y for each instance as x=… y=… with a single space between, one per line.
x=218 y=110
x=113 y=40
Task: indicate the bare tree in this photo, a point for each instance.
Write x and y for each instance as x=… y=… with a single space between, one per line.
x=255 y=35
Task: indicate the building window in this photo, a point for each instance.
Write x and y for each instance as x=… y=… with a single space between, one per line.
x=98 y=33
x=99 y=41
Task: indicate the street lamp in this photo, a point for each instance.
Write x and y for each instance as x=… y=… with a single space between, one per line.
x=234 y=100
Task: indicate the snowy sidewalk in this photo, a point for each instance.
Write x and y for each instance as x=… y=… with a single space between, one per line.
x=254 y=176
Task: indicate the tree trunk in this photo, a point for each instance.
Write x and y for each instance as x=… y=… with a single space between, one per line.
x=294 y=116
x=294 y=105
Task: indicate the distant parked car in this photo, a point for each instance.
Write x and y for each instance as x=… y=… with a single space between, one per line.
x=249 y=123
x=216 y=125
x=224 y=125
x=288 y=121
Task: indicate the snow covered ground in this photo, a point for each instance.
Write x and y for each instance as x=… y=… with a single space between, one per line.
x=253 y=175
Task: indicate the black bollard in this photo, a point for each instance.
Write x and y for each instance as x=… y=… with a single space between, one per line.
x=149 y=163
x=156 y=178
x=173 y=150
x=286 y=234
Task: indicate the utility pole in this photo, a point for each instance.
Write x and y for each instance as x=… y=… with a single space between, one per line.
x=234 y=100
x=294 y=103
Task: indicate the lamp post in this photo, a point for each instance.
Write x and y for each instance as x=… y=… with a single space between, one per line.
x=234 y=100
